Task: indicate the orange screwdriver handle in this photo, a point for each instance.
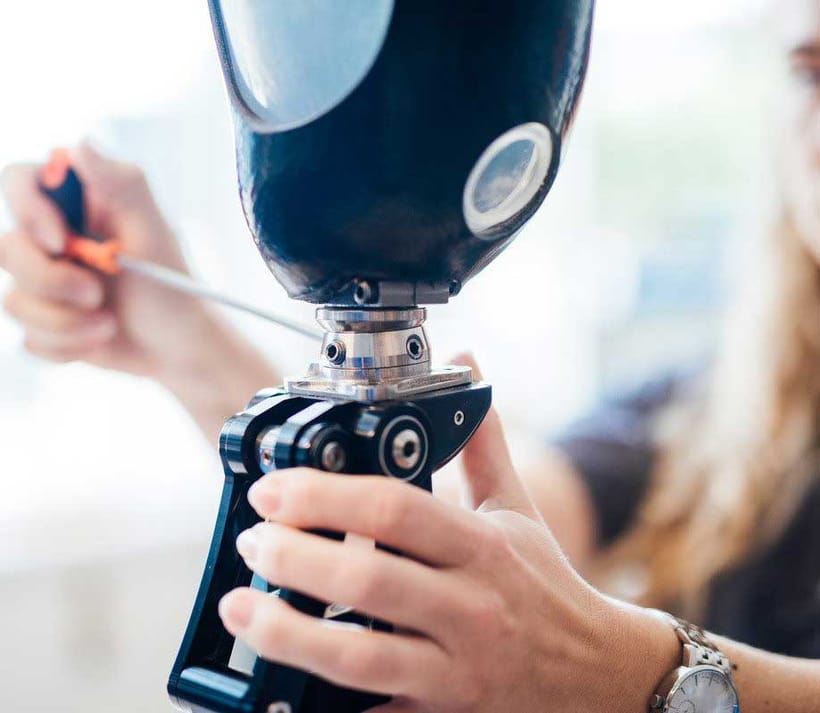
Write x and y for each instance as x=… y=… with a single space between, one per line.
x=60 y=183
x=101 y=256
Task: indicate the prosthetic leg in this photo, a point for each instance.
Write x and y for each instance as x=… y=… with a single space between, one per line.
x=372 y=404
x=387 y=151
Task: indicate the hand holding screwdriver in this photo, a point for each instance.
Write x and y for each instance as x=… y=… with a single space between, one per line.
x=63 y=187
x=71 y=312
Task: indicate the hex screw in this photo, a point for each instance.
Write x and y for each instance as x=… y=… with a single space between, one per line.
x=279 y=707
x=406 y=449
x=363 y=293
x=415 y=347
x=335 y=352
x=333 y=457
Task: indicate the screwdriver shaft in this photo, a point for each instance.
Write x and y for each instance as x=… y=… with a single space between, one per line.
x=176 y=280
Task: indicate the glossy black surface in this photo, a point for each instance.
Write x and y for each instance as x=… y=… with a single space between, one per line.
x=373 y=189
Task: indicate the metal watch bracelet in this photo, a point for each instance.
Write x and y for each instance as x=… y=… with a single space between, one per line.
x=698 y=649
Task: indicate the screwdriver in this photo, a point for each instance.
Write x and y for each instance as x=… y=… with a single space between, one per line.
x=60 y=183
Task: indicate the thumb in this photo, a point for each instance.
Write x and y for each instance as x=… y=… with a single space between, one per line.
x=492 y=482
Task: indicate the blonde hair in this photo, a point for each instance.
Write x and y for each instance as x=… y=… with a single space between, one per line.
x=737 y=457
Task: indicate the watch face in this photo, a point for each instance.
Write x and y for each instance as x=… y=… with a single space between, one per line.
x=703 y=690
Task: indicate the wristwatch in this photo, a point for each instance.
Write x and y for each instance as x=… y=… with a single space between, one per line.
x=703 y=681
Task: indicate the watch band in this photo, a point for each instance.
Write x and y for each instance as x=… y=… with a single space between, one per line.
x=698 y=648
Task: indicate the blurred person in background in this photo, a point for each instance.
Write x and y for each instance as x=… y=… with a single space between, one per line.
x=701 y=494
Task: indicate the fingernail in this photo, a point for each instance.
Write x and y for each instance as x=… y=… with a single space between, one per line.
x=236 y=609
x=246 y=545
x=264 y=496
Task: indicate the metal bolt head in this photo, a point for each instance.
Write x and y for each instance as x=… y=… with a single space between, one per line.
x=415 y=347
x=406 y=449
x=279 y=707
x=458 y=417
x=333 y=457
x=363 y=293
x=335 y=352
x=266 y=448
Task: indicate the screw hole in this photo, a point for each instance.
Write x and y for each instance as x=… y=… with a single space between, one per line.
x=415 y=348
x=362 y=293
x=335 y=352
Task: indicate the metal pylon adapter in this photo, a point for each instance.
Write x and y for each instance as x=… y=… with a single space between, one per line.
x=375 y=355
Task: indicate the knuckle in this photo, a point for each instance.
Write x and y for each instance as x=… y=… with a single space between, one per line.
x=59 y=275
x=364 y=586
x=32 y=348
x=302 y=490
x=133 y=172
x=7 y=242
x=272 y=550
x=361 y=663
x=271 y=632
x=9 y=174
x=391 y=512
x=11 y=301
x=59 y=356
x=488 y=613
x=132 y=176
x=60 y=321
x=494 y=544
x=61 y=280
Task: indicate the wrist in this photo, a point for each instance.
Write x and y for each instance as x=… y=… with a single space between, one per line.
x=215 y=372
x=643 y=650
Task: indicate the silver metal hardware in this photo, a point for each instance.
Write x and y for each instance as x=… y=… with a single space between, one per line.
x=406 y=449
x=414 y=347
x=315 y=384
x=280 y=707
x=333 y=457
x=416 y=460
x=343 y=319
x=336 y=610
x=387 y=293
x=458 y=418
x=697 y=648
x=379 y=354
x=265 y=445
x=335 y=352
x=363 y=293
x=700 y=657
